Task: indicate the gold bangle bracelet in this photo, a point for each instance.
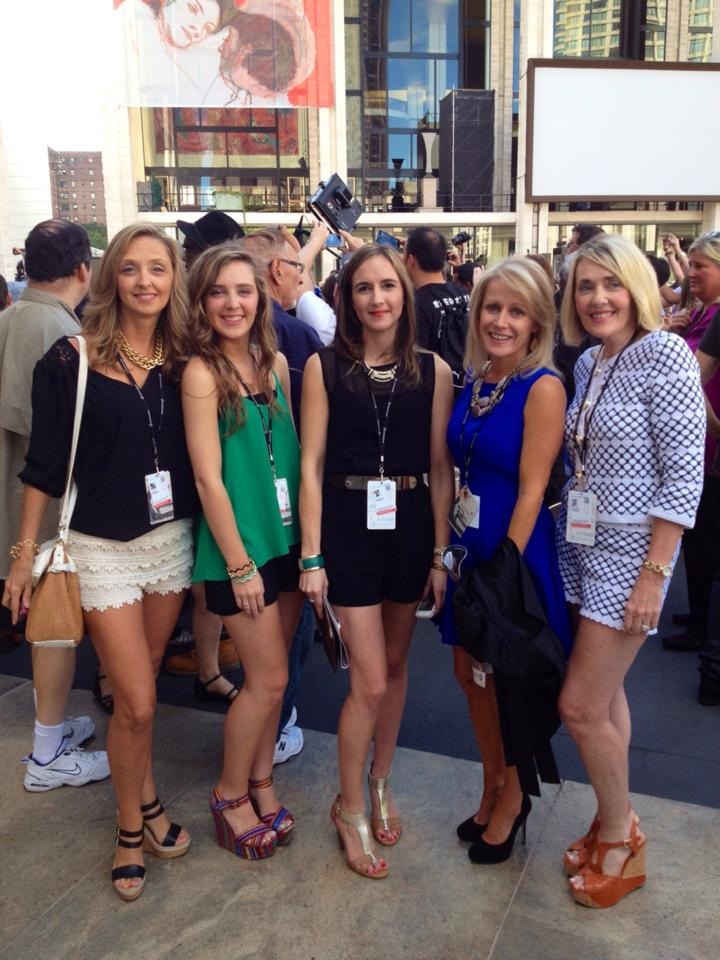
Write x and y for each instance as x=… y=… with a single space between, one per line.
x=15 y=549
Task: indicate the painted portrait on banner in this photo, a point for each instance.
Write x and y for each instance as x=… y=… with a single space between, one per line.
x=227 y=53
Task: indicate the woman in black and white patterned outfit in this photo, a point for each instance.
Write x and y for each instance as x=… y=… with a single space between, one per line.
x=635 y=434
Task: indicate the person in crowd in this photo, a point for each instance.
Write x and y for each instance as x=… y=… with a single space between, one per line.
x=580 y=234
x=207 y=231
x=638 y=402
x=375 y=410
x=5 y=298
x=704 y=279
x=131 y=536
x=708 y=519
x=209 y=655
x=20 y=280
x=312 y=308
x=504 y=435
x=245 y=455
x=676 y=257
x=58 y=261
x=464 y=276
x=277 y=253
x=440 y=305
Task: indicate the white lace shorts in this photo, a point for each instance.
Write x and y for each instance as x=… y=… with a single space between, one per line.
x=113 y=573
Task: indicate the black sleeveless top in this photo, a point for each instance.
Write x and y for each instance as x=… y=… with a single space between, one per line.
x=352 y=440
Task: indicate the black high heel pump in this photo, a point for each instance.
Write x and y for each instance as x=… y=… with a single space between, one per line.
x=482 y=852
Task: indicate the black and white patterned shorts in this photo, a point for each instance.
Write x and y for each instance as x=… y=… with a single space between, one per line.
x=600 y=579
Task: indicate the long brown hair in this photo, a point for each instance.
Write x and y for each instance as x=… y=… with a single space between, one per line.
x=101 y=317
x=349 y=333
x=206 y=344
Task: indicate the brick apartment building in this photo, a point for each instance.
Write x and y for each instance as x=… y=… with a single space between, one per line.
x=76 y=185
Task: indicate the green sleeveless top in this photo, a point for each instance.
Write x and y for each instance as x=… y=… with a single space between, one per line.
x=248 y=479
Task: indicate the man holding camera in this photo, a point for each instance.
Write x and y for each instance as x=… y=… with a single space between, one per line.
x=441 y=307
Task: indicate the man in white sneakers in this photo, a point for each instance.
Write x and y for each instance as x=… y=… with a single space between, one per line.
x=57 y=260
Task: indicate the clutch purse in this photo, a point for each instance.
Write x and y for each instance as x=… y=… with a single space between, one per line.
x=55 y=617
x=329 y=629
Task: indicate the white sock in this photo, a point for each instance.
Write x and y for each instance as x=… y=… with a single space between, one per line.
x=47 y=741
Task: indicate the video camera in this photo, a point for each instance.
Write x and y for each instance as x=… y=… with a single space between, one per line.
x=461 y=238
x=333 y=203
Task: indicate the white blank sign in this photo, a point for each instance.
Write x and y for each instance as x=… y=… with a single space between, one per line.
x=622 y=133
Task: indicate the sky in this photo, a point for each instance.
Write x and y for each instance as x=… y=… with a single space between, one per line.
x=52 y=80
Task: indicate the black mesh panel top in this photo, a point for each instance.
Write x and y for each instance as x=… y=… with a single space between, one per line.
x=352 y=440
x=114 y=450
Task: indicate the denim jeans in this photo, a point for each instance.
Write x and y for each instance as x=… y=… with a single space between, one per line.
x=299 y=650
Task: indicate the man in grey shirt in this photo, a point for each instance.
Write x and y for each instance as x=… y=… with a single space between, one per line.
x=57 y=259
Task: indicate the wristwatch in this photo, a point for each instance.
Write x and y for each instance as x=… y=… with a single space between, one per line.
x=664 y=569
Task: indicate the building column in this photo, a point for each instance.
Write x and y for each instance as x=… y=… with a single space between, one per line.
x=536 y=40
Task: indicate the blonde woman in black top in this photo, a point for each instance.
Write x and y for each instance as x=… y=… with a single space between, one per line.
x=130 y=533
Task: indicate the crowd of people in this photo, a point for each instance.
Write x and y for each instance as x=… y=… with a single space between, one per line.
x=276 y=452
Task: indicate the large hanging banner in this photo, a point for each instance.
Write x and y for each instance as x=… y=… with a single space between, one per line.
x=227 y=53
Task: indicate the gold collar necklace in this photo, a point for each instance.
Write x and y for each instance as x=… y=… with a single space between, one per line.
x=139 y=359
x=380 y=376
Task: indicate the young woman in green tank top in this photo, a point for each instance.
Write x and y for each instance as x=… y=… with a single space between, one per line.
x=245 y=456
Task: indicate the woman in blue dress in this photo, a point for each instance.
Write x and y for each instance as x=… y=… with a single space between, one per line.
x=505 y=434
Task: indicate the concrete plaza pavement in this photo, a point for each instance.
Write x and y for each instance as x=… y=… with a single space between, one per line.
x=56 y=900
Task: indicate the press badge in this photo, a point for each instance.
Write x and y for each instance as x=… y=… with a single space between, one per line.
x=581 y=510
x=465 y=511
x=381 y=505
x=159 y=496
x=283 y=499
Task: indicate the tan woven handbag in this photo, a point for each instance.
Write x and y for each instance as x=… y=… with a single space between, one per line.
x=55 y=616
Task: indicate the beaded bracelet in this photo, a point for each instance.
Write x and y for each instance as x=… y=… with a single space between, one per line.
x=15 y=549
x=245 y=577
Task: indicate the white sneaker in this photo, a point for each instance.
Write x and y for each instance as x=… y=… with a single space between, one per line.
x=289 y=745
x=72 y=767
x=77 y=730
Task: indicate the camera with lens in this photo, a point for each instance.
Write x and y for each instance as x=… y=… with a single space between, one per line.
x=333 y=203
x=461 y=238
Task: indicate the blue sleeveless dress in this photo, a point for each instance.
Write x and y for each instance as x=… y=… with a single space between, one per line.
x=494 y=475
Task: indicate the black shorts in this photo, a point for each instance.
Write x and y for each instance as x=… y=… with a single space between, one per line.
x=280 y=575
x=365 y=567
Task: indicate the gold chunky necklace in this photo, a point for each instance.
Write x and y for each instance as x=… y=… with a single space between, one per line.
x=139 y=359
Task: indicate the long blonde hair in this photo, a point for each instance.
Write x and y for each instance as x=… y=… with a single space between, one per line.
x=530 y=283
x=101 y=317
x=206 y=344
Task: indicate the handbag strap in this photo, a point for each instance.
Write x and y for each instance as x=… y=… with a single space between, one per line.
x=70 y=495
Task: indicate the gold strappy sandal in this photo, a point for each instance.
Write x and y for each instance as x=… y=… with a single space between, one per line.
x=361 y=864
x=383 y=821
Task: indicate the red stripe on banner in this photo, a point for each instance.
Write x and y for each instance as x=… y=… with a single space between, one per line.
x=317 y=90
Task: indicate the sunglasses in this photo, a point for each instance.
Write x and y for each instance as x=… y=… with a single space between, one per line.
x=452 y=560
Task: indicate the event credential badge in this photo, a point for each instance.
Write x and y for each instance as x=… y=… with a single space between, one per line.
x=381 y=505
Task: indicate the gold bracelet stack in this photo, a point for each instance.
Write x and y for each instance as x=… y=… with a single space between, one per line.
x=244 y=573
x=15 y=549
x=439 y=551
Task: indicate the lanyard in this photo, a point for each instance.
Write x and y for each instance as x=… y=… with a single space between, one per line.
x=266 y=427
x=382 y=431
x=153 y=434
x=494 y=399
x=581 y=443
